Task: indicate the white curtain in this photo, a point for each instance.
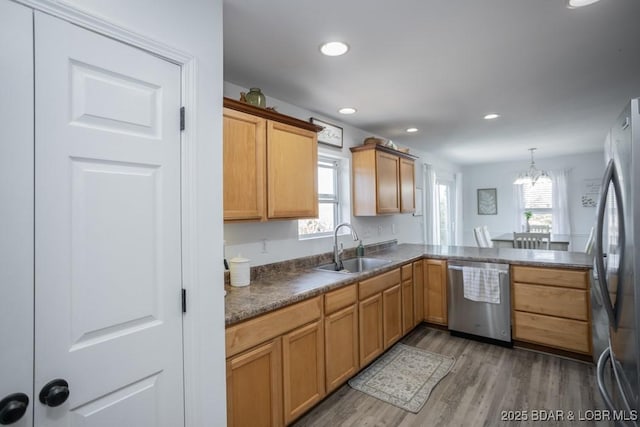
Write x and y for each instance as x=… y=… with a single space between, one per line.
x=519 y=221
x=432 y=226
x=458 y=214
x=560 y=202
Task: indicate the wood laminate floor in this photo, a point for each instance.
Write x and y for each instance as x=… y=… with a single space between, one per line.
x=485 y=381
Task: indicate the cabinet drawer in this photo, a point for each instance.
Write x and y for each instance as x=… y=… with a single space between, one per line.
x=379 y=283
x=340 y=298
x=566 y=334
x=255 y=331
x=562 y=302
x=407 y=272
x=578 y=279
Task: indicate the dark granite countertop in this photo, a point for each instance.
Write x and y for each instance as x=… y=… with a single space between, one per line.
x=282 y=287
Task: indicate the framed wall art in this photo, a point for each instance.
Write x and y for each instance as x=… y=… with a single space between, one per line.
x=487 y=201
x=330 y=135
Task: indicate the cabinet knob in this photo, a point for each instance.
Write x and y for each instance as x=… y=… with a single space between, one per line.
x=13 y=407
x=54 y=393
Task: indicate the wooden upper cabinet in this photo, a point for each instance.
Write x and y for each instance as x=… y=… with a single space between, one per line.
x=269 y=163
x=382 y=181
x=407 y=186
x=292 y=171
x=387 y=183
x=244 y=163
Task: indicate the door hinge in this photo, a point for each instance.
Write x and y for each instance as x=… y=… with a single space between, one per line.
x=181 y=118
x=184 y=300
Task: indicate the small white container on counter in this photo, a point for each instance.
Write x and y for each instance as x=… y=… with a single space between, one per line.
x=240 y=271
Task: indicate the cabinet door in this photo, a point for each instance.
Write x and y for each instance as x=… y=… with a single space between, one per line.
x=387 y=183
x=407 y=186
x=436 y=291
x=254 y=387
x=407 y=306
x=303 y=369
x=392 y=315
x=341 y=346
x=292 y=172
x=370 y=316
x=244 y=162
x=418 y=292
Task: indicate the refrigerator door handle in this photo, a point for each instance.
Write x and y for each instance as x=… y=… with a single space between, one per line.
x=602 y=363
x=610 y=176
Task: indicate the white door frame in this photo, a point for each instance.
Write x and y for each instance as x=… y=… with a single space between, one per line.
x=198 y=320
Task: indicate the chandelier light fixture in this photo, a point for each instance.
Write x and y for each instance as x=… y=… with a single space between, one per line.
x=533 y=174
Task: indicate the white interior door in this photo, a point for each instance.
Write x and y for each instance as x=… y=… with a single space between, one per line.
x=107 y=216
x=16 y=211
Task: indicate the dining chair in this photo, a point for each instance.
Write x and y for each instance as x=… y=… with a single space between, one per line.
x=588 y=247
x=487 y=236
x=480 y=238
x=539 y=229
x=531 y=240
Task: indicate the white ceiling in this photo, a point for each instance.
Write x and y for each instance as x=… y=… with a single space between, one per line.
x=559 y=77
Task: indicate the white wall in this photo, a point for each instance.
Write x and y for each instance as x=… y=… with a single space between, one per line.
x=280 y=238
x=501 y=176
x=194 y=27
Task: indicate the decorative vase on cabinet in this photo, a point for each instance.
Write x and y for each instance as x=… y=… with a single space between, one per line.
x=256 y=97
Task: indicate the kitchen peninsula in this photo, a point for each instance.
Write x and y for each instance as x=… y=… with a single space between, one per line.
x=297 y=333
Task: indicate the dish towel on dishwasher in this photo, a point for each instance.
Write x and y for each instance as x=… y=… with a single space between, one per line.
x=481 y=284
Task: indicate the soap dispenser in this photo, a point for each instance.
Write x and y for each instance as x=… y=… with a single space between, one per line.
x=360 y=250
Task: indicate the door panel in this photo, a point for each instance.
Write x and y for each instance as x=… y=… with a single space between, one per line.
x=16 y=208
x=292 y=172
x=388 y=183
x=107 y=251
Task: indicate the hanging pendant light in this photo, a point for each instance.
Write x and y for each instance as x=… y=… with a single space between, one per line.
x=533 y=174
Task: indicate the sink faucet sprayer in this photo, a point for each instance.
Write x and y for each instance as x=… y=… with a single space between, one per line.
x=337 y=253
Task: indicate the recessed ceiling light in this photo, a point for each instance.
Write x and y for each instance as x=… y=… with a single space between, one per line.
x=347 y=110
x=491 y=116
x=412 y=130
x=573 y=4
x=334 y=48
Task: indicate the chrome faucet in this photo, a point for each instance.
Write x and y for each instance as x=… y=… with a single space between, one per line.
x=337 y=253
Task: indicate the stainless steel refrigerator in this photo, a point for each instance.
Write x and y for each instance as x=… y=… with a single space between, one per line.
x=617 y=263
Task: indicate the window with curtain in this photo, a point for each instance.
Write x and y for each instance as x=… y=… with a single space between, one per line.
x=538 y=199
x=329 y=201
x=445 y=195
x=547 y=200
x=443 y=206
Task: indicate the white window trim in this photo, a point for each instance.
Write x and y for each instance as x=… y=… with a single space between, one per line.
x=342 y=184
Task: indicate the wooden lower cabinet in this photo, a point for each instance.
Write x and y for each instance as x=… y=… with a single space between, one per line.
x=302 y=369
x=551 y=307
x=418 y=292
x=341 y=346
x=391 y=316
x=435 y=295
x=370 y=328
x=407 y=298
x=566 y=334
x=254 y=387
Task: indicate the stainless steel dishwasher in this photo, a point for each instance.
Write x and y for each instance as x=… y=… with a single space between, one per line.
x=479 y=319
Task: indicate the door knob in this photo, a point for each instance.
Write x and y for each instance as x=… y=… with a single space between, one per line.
x=13 y=407
x=54 y=393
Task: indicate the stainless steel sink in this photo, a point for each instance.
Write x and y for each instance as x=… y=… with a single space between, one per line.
x=355 y=265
